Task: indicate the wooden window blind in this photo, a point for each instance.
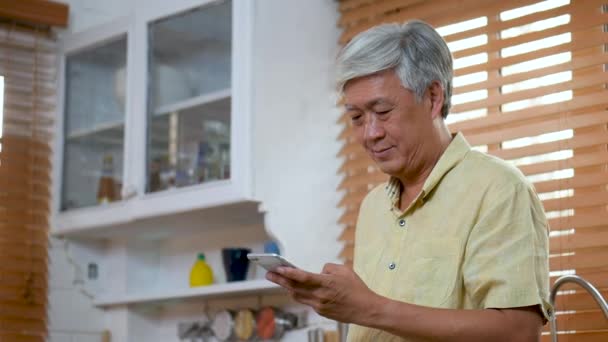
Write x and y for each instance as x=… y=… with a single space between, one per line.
x=27 y=68
x=530 y=87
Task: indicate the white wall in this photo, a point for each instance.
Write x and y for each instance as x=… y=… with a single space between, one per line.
x=294 y=152
x=71 y=315
x=295 y=126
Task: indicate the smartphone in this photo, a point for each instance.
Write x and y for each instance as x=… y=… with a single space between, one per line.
x=269 y=261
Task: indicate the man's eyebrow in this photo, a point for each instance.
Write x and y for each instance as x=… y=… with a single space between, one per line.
x=368 y=104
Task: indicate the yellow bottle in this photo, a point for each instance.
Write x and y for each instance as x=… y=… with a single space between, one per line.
x=201 y=273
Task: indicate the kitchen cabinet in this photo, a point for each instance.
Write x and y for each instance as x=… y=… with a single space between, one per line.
x=154 y=118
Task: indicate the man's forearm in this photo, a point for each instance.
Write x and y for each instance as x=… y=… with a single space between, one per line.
x=430 y=324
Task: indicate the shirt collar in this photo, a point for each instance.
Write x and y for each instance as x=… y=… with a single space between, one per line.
x=456 y=151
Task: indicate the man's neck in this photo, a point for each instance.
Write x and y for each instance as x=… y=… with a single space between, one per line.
x=412 y=184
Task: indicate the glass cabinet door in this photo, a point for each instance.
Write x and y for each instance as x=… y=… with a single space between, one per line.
x=188 y=138
x=94 y=125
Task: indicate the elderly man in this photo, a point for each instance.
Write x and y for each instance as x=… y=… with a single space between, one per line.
x=454 y=247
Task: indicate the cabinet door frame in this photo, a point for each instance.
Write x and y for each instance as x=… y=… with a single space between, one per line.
x=113 y=213
x=239 y=187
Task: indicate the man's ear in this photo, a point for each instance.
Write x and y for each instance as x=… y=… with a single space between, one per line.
x=437 y=99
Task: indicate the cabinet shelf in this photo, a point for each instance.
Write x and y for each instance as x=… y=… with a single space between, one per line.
x=96 y=129
x=207 y=292
x=152 y=218
x=193 y=102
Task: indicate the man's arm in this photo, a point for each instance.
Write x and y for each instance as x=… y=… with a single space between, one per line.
x=338 y=293
x=431 y=324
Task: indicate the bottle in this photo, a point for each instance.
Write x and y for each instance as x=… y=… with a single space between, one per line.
x=106 y=189
x=201 y=162
x=154 y=182
x=225 y=160
x=201 y=273
x=182 y=176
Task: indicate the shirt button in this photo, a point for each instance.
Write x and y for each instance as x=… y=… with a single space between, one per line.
x=391 y=266
x=402 y=223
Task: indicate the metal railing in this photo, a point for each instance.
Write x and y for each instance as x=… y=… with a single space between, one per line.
x=584 y=284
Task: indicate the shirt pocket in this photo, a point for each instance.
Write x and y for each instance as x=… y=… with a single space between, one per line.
x=433 y=273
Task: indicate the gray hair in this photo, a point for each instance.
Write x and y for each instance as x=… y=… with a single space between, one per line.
x=414 y=50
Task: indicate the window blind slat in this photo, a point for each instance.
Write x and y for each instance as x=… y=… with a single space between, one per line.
x=495 y=27
x=370 y=11
x=592 y=40
x=449 y=11
x=580 y=240
x=17 y=311
x=552 y=123
x=15 y=250
x=598 y=178
x=579 y=83
x=581 y=260
x=17 y=279
x=22 y=324
x=584 y=62
x=346 y=5
x=496 y=45
x=495 y=120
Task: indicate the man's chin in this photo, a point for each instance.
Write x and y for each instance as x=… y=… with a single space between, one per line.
x=391 y=169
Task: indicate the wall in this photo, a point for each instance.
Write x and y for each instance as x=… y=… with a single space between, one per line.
x=294 y=152
x=85 y=14
x=296 y=133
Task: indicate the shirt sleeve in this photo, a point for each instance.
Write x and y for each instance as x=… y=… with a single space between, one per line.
x=506 y=258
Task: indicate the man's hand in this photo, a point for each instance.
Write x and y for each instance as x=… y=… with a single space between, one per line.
x=337 y=293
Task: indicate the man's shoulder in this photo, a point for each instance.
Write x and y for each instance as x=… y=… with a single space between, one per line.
x=493 y=171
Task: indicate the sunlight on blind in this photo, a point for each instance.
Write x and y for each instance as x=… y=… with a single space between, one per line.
x=537 y=7
x=542 y=81
x=467 y=79
x=463 y=26
x=536 y=26
x=538 y=63
x=543 y=138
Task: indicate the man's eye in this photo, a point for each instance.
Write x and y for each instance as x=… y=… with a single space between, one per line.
x=356 y=118
x=383 y=111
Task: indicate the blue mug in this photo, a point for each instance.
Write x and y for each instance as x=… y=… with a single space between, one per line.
x=236 y=263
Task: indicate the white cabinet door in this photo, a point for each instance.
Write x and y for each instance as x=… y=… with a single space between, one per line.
x=194 y=107
x=91 y=135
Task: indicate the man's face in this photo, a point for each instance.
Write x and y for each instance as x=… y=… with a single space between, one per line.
x=388 y=121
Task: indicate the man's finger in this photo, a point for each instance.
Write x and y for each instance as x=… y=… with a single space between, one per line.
x=331 y=268
x=280 y=280
x=306 y=301
x=300 y=276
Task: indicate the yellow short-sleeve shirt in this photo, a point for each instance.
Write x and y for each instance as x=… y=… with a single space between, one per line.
x=476 y=237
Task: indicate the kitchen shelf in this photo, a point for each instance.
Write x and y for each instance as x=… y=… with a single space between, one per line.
x=194 y=102
x=99 y=128
x=207 y=292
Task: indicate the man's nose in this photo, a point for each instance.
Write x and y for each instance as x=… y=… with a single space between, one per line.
x=374 y=129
